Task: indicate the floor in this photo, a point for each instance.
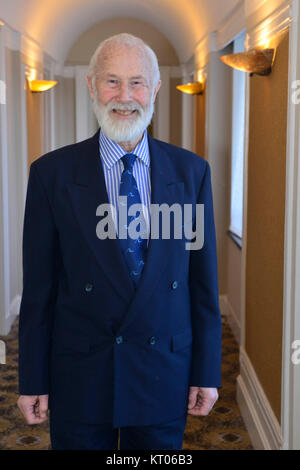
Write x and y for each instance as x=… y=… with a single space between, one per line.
x=222 y=429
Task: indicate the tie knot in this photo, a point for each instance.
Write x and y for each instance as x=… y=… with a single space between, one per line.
x=128 y=161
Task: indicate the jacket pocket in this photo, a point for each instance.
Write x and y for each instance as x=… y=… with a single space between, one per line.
x=181 y=340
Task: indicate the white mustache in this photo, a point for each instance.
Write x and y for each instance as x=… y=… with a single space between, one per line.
x=129 y=106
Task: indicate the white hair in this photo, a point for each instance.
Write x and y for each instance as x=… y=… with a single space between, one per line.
x=130 y=41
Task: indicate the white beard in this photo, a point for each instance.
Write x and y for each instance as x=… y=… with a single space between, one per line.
x=122 y=130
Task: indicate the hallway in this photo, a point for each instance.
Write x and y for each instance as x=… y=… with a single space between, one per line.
x=223 y=429
x=239 y=64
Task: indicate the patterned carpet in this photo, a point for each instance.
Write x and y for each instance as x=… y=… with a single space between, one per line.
x=222 y=429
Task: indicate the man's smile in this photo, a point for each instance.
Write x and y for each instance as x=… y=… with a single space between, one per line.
x=124 y=113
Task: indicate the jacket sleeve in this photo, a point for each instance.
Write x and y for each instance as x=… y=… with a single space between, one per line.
x=205 y=311
x=40 y=255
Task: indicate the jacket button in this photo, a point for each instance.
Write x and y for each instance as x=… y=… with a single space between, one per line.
x=152 y=340
x=88 y=287
x=119 y=339
x=174 y=285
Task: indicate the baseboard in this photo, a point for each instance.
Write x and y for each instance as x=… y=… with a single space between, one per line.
x=227 y=310
x=260 y=420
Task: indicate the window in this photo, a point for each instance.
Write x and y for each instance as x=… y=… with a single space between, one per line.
x=237 y=146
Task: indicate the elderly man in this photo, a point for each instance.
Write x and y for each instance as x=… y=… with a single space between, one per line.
x=120 y=329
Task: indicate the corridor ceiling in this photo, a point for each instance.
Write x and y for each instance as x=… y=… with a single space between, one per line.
x=56 y=24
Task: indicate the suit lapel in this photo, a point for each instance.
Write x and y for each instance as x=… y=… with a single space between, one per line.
x=88 y=191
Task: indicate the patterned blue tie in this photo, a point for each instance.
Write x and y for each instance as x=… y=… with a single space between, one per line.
x=134 y=250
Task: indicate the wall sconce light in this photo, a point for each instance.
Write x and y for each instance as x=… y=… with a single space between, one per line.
x=255 y=61
x=41 y=85
x=195 y=88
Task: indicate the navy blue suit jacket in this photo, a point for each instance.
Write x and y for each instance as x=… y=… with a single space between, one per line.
x=75 y=286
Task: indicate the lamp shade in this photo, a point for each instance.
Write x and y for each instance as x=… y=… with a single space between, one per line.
x=195 y=88
x=41 y=85
x=257 y=61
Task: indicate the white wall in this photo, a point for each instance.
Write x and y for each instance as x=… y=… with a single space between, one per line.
x=12 y=183
x=64 y=108
x=4 y=233
x=218 y=148
x=17 y=56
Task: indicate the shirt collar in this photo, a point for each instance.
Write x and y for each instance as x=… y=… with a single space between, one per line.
x=111 y=152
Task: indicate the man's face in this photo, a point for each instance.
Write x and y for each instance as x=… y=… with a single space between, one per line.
x=123 y=97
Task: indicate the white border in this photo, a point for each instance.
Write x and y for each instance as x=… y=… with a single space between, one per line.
x=290 y=409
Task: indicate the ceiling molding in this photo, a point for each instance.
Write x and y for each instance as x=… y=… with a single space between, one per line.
x=267 y=22
x=252 y=5
x=232 y=27
x=56 y=25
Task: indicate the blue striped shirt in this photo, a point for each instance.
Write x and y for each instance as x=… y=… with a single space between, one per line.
x=111 y=154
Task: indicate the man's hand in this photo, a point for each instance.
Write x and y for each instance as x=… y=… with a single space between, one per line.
x=201 y=400
x=34 y=408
